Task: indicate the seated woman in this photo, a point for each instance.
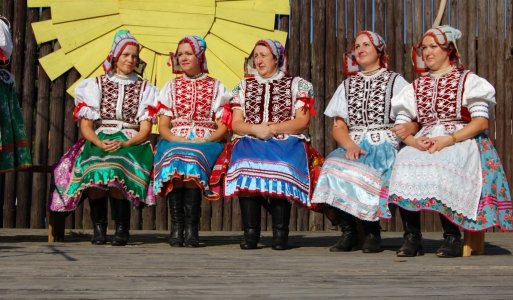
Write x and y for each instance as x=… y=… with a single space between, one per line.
x=352 y=175
x=450 y=165
x=114 y=159
x=191 y=109
x=269 y=155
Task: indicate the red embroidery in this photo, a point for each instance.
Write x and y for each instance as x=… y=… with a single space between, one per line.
x=440 y=99
x=192 y=103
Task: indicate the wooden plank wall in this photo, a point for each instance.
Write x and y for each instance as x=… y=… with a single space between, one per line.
x=320 y=31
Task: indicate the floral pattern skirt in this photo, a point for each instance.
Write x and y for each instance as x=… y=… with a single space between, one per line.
x=494 y=207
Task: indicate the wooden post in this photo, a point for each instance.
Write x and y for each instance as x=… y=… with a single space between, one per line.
x=293 y=47
x=305 y=72
x=161 y=214
x=57 y=223
x=216 y=223
x=70 y=130
x=473 y=243
x=40 y=144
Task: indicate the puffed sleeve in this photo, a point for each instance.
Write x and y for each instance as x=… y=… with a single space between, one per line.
x=303 y=94
x=337 y=107
x=478 y=96
x=223 y=97
x=404 y=106
x=164 y=101
x=399 y=84
x=87 y=100
x=237 y=101
x=148 y=104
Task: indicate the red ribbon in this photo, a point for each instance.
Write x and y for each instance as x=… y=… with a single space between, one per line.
x=77 y=110
x=227 y=117
x=3 y=58
x=309 y=104
x=152 y=111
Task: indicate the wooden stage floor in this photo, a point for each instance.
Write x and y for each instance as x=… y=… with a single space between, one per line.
x=149 y=269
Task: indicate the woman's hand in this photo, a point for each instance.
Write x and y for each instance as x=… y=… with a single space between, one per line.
x=263 y=131
x=354 y=152
x=110 y=145
x=422 y=143
x=406 y=129
x=440 y=142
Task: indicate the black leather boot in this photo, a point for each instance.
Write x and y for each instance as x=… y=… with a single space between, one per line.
x=176 y=209
x=348 y=241
x=121 y=209
x=250 y=213
x=452 y=246
x=280 y=214
x=412 y=245
x=192 y=209
x=372 y=243
x=99 y=218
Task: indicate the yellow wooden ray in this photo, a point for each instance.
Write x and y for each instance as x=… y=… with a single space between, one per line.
x=85 y=29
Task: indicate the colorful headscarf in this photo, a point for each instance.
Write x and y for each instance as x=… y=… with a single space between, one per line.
x=276 y=48
x=444 y=36
x=5 y=40
x=122 y=38
x=351 y=66
x=198 y=45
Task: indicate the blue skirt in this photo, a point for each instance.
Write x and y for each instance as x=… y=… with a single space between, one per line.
x=354 y=186
x=187 y=162
x=278 y=168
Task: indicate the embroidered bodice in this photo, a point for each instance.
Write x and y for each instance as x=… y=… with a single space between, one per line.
x=368 y=99
x=364 y=102
x=115 y=103
x=277 y=105
x=445 y=103
x=193 y=105
x=275 y=99
x=439 y=99
x=120 y=101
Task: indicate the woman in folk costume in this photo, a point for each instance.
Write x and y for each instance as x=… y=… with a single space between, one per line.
x=352 y=175
x=114 y=160
x=269 y=154
x=450 y=165
x=191 y=109
x=14 y=145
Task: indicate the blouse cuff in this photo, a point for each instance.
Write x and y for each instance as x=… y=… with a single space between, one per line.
x=478 y=109
x=148 y=117
x=401 y=119
x=165 y=112
x=85 y=112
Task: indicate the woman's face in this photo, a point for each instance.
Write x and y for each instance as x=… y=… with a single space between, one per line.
x=265 y=62
x=188 y=60
x=367 y=55
x=126 y=62
x=435 y=57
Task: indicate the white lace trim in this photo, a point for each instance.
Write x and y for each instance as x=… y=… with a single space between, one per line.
x=452 y=176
